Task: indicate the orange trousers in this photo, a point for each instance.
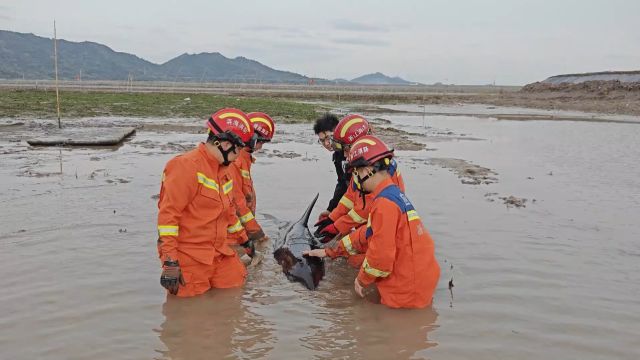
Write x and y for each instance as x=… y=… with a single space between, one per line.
x=225 y=272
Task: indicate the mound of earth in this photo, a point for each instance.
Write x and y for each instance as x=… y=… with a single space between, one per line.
x=593 y=86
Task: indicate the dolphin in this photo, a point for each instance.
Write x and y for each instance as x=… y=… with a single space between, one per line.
x=308 y=270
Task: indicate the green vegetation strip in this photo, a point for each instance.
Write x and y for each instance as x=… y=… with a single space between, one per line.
x=75 y=104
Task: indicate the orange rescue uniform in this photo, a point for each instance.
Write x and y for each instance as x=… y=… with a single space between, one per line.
x=350 y=212
x=243 y=164
x=400 y=256
x=244 y=218
x=353 y=246
x=194 y=218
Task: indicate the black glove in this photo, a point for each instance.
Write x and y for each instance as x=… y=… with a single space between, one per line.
x=171 y=276
x=249 y=247
x=321 y=224
x=328 y=232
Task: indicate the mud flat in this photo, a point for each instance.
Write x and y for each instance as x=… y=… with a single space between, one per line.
x=467 y=172
x=78 y=247
x=83 y=137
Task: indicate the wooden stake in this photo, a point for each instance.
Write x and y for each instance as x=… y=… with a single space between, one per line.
x=55 y=61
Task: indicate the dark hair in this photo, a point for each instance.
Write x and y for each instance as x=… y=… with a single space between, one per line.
x=327 y=122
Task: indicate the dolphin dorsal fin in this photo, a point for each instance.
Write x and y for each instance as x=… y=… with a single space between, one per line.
x=305 y=217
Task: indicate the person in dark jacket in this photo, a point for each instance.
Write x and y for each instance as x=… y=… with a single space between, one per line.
x=324 y=130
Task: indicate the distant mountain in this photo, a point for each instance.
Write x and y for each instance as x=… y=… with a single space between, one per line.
x=31 y=57
x=27 y=56
x=216 y=67
x=380 y=79
x=340 y=81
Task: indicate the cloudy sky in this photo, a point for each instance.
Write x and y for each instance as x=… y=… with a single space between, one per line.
x=450 y=41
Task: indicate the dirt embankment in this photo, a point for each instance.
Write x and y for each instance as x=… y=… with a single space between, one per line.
x=609 y=97
x=599 y=87
x=614 y=102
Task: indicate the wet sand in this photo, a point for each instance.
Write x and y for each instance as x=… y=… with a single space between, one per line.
x=554 y=279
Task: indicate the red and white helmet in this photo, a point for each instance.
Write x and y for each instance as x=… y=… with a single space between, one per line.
x=348 y=130
x=263 y=126
x=231 y=125
x=368 y=150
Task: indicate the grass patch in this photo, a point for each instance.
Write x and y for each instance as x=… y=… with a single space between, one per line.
x=75 y=104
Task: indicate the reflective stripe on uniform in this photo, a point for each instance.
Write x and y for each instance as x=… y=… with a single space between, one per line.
x=346 y=202
x=208 y=183
x=235 y=227
x=373 y=271
x=247 y=217
x=413 y=215
x=227 y=187
x=369 y=231
x=356 y=217
x=346 y=242
x=167 y=230
x=245 y=174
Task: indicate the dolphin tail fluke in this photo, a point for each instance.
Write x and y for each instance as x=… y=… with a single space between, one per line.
x=305 y=217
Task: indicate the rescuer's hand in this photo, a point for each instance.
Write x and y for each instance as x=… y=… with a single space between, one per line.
x=171 y=277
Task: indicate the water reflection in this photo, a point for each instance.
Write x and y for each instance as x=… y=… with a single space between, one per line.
x=340 y=325
x=371 y=331
x=214 y=325
x=523 y=277
x=396 y=333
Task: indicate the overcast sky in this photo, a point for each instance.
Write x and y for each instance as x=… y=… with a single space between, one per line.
x=449 y=41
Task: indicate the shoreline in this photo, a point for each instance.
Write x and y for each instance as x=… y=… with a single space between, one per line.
x=303 y=103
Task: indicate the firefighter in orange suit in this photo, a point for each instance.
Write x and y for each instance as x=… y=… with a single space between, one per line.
x=353 y=208
x=243 y=163
x=244 y=194
x=195 y=213
x=399 y=256
x=264 y=129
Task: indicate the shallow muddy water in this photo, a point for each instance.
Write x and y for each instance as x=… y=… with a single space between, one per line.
x=554 y=279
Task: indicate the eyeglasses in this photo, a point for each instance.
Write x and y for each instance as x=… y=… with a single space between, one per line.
x=325 y=140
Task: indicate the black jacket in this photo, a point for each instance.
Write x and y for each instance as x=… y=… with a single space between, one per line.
x=343 y=179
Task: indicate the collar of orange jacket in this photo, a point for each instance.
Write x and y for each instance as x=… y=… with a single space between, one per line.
x=383 y=184
x=208 y=155
x=246 y=156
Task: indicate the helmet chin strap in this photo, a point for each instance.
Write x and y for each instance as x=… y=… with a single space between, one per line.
x=225 y=153
x=252 y=144
x=360 y=186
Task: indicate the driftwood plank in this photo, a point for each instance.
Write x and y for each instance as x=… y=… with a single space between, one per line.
x=83 y=137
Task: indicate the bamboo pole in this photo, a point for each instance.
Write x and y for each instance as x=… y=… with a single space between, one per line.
x=55 y=61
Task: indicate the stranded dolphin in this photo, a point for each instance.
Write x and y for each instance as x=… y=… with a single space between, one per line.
x=308 y=270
